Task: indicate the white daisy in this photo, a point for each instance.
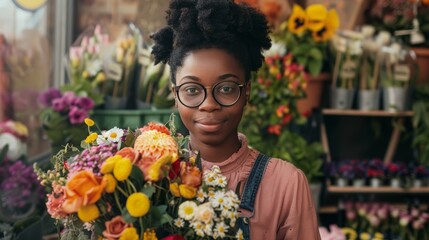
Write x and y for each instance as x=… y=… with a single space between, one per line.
x=102 y=138
x=208 y=229
x=178 y=222
x=201 y=195
x=218 y=200
x=210 y=179
x=215 y=169
x=221 y=229
x=187 y=210
x=198 y=227
x=221 y=181
x=115 y=134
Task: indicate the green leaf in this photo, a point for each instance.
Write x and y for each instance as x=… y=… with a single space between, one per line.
x=137 y=177
x=316 y=54
x=149 y=191
x=314 y=67
x=127 y=217
x=3 y=153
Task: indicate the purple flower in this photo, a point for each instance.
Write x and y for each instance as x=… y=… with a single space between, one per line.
x=47 y=97
x=85 y=103
x=69 y=97
x=60 y=104
x=77 y=115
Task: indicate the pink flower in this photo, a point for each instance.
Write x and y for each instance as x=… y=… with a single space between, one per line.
x=77 y=115
x=114 y=228
x=85 y=103
x=55 y=201
x=60 y=105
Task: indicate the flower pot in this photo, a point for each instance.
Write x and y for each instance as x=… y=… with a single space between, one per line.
x=394 y=99
x=375 y=182
x=422 y=55
x=313 y=92
x=342 y=98
x=395 y=182
x=369 y=99
x=417 y=183
x=358 y=182
x=341 y=182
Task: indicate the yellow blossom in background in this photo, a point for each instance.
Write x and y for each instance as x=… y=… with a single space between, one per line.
x=75 y=62
x=187 y=192
x=85 y=74
x=129 y=234
x=297 y=22
x=316 y=16
x=88 y=213
x=89 y=122
x=331 y=25
x=109 y=164
x=138 y=204
x=122 y=169
x=101 y=77
x=110 y=183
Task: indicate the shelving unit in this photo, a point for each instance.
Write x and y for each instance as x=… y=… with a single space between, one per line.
x=381 y=189
x=377 y=113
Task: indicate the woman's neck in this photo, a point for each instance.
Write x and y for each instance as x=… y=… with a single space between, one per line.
x=216 y=152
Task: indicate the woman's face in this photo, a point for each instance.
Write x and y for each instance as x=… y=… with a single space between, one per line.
x=211 y=123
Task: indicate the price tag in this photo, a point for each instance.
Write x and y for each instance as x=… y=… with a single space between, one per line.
x=402 y=72
x=113 y=71
x=348 y=69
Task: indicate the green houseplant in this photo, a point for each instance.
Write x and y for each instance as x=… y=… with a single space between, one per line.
x=421 y=124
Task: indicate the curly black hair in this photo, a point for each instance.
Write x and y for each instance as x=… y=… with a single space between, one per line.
x=238 y=29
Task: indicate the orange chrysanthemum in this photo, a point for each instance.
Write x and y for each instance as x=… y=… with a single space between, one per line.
x=152 y=145
x=155 y=126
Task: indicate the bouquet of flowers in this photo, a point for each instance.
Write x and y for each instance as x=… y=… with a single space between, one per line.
x=140 y=184
x=375 y=169
x=63 y=117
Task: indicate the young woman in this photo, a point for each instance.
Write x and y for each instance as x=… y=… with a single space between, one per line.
x=212 y=47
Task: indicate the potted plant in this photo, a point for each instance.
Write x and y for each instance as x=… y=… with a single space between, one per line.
x=393 y=173
x=358 y=173
x=419 y=174
x=345 y=173
x=375 y=172
x=306 y=34
x=421 y=124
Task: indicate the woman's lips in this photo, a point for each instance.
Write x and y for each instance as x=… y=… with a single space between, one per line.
x=208 y=126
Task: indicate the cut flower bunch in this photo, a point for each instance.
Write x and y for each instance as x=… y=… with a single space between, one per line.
x=140 y=184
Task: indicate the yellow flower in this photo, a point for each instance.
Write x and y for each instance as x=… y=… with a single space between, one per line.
x=138 y=204
x=110 y=183
x=88 y=213
x=149 y=234
x=109 y=164
x=75 y=62
x=89 y=122
x=101 y=77
x=129 y=234
x=332 y=23
x=316 y=16
x=122 y=169
x=91 y=138
x=350 y=233
x=297 y=22
x=174 y=189
x=365 y=236
x=187 y=192
x=155 y=169
x=187 y=210
x=85 y=74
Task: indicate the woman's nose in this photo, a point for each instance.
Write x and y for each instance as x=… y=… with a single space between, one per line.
x=209 y=103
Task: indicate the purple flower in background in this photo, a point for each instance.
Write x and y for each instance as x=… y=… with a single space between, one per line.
x=69 y=97
x=77 y=115
x=60 y=104
x=47 y=97
x=85 y=103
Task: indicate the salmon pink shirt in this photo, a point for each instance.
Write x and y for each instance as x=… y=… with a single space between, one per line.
x=283 y=205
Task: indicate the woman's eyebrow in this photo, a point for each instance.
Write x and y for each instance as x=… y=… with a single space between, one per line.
x=191 y=77
x=228 y=75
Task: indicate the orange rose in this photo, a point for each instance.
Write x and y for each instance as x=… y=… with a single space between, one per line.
x=128 y=152
x=114 y=228
x=190 y=175
x=82 y=189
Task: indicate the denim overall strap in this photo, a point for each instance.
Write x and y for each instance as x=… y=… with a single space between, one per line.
x=249 y=194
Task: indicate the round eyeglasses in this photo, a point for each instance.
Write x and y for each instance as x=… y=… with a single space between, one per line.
x=192 y=94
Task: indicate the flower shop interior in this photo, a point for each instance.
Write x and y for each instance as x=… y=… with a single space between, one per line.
x=343 y=94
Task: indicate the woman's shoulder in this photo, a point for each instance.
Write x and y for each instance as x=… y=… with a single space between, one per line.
x=283 y=170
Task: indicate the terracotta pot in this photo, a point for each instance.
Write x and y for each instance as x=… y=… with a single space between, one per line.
x=423 y=63
x=314 y=92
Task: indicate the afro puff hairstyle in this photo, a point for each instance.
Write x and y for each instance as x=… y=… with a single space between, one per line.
x=200 y=24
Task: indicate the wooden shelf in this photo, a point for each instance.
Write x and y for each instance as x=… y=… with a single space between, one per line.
x=334 y=209
x=374 y=113
x=383 y=189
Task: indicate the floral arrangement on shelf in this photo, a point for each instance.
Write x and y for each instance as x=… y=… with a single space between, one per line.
x=419 y=172
x=138 y=184
x=63 y=117
x=396 y=170
x=306 y=34
x=385 y=219
x=106 y=68
x=375 y=169
x=20 y=193
x=272 y=109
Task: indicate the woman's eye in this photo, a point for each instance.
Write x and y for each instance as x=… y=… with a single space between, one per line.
x=192 y=90
x=226 y=89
